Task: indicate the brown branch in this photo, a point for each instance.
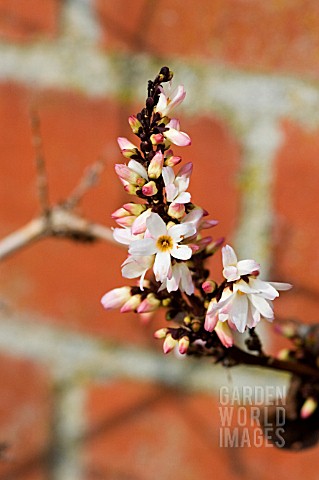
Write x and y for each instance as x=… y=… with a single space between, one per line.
x=60 y=223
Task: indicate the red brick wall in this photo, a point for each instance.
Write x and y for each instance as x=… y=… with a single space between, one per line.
x=250 y=68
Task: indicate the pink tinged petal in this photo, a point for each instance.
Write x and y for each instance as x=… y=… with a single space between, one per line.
x=126 y=221
x=125 y=144
x=162 y=264
x=224 y=334
x=263 y=306
x=125 y=173
x=229 y=256
x=210 y=321
x=230 y=272
x=239 y=312
x=181 y=139
x=246 y=267
x=120 y=213
x=139 y=225
x=138 y=169
x=181 y=252
x=186 y=170
x=131 y=304
x=169 y=343
x=156 y=225
x=145 y=246
x=208 y=224
x=149 y=189
x=116 y=298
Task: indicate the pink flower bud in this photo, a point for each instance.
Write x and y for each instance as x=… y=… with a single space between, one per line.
x=156 y=165
x=161 y=333
x=149 y=304
x=308 y=407
x=120 y=213
x=139 y=225
x=126 y=221
x=135 y=124
x=127 y=174
x=157 y=138
x=128 y=149
x=134 y=208
x=149 y=189
x=183 y=345
x=176 y=210
x=208 y=286
x=131 y=304
x=172 y=161
x=116 y=298
x=169 y=343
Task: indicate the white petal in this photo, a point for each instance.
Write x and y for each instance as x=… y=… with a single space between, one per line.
x=171 y=192
x=265 y=289
x=187 y=285
x=145 y=246
x=263 y=306
x=162 y=265
x=281 y=286
x=138 y=168
x=181 y=231
x=168 y=175
x=181 y=139
x=182 y=252
x=230 y=272
x=122 y=235
x=245 y=267
x=183 y=197
x=229 y=256
x=133 y=267
x=156 y=225
x=239 y=312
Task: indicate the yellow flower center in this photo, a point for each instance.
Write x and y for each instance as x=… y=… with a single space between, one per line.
x=164 y=243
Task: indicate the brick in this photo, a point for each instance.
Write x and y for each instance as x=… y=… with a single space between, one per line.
x=25 y=413
x=64 y=280
x=258 y=35
x=138 y=429
x=295 y=203
x=25 y=20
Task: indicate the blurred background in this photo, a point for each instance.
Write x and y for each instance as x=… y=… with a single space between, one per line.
x=87 y=394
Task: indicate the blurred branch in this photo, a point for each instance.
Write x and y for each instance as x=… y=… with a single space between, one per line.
x=57 y=220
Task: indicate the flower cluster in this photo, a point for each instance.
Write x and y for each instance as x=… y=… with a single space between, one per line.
x=167 y=251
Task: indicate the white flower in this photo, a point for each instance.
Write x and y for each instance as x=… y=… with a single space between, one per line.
x=181 y=279
x=134 y=267
x=245 y=300
x=174 y=135
x=175 y=187
x=164 y=242
x=167 y=102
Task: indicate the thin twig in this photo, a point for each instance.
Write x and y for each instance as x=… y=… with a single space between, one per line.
x=42 y=178
x=89 y=179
